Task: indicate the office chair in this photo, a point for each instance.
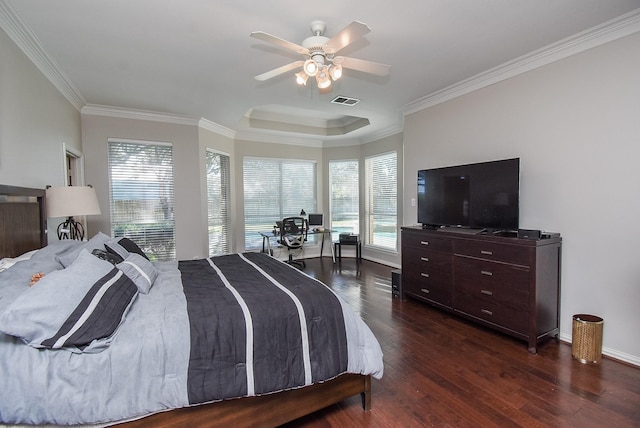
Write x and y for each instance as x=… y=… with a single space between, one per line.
x=293 y=234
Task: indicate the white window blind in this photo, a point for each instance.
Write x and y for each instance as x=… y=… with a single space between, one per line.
x=218 y=203
x=381 y=200
x=142 y=196
x=344 y=196
x=275 y=189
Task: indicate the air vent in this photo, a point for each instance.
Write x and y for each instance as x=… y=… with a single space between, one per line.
x=345 y=100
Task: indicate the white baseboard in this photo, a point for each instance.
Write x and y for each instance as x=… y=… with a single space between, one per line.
x=609 y=352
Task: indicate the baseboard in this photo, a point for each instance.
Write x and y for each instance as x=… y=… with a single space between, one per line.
x=610 y=353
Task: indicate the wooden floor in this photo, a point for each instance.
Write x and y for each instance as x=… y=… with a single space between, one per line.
x=442 y=371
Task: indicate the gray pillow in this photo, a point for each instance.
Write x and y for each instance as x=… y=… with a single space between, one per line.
x=140 y=271
x=97 y=242
x=113 y=247
x=79 y=307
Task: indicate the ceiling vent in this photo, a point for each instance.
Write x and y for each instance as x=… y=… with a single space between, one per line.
x=345 y=100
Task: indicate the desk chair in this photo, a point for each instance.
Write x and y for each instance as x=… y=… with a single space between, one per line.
x=293 y=234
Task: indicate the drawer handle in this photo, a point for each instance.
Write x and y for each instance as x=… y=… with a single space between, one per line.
x=486 y=272
x=424 y=259
x=486 y=253
x=486 y=311
x=424 y=290
x=424 y=242
x=487 y=292
x=426 y=275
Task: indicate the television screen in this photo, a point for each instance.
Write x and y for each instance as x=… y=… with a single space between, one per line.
x=479 y=196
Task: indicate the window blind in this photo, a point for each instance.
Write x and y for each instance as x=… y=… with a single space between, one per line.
x=275 y=189
x=344 y=198
x=141 y=194
x=381 y=196
x=218 y=203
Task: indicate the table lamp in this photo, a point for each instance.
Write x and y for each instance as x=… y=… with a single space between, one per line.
x=69 y=201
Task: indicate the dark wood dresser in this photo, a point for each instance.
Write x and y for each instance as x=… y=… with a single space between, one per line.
x=509 y=284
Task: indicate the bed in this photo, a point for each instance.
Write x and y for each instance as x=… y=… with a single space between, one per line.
x=153 y=357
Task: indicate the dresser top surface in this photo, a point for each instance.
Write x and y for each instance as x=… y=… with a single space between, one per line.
x=483 y=236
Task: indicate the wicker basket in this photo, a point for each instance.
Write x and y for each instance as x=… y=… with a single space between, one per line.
x=586 y=341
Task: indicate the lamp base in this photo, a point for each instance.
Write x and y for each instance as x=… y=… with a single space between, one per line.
x=71 y=229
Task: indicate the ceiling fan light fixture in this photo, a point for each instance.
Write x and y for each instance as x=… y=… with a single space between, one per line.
x=301 y=78
x=323 y=78
x=310 y=67
x=335 y=71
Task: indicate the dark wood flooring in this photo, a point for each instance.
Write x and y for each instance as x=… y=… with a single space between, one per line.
x=443 y=371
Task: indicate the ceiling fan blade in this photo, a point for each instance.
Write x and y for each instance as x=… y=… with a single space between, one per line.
x=349 y=34
x=278 y=71
x=266 y=37
x=364 y=66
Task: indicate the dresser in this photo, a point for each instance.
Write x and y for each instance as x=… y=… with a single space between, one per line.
x=505 y=283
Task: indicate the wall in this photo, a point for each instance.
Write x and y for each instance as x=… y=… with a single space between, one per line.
x=574 y=124
x=97 y=130
x=35 y=121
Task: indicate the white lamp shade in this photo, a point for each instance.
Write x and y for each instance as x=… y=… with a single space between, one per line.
x=69 y=201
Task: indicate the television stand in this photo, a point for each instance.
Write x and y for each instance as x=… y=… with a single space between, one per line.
x=508 y=284
x=462 y=230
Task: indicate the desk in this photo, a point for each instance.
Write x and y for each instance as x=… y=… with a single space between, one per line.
x=338 y=249
x=268 y=236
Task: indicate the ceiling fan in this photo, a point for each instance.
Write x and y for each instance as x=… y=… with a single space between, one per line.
x=319 y=53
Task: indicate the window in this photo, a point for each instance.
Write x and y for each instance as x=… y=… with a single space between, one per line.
x=141 y=196
x=274 y=189
x=344 y=197
x=381 y=216
x=218 y=203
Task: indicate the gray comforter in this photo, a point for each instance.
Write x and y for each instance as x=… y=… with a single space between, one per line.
x=175 y=348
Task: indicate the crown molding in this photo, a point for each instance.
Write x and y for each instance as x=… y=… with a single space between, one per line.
x=215 y=128
x=278 y=139
x=125 y=113
x=29 y=44
x=614 y=29
x=384 y=133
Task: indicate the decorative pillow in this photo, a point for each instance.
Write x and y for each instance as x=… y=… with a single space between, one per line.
x=97 y=242
x=80 y=306
x=140 y=271
x=114 y=248
x=114 y=259
x=131 y=246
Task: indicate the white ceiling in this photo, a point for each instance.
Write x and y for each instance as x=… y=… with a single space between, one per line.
x=195 y=57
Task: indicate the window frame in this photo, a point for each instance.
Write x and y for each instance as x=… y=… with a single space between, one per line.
x=225 y=197
x=332 y=225
x=371 y=208
x=158 y=244
x=285 y=205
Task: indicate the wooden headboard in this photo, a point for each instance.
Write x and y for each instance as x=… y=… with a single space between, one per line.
x=23 y=220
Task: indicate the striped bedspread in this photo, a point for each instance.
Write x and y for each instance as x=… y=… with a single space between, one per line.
x=258 y=326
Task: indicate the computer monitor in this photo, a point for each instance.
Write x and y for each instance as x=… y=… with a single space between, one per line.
x=315 y=220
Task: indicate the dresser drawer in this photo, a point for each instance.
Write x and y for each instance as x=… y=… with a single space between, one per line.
x=491 y=281
x=506 y=317
x=428 y=260
x=427 y=242
x=433 y=291
x=418 y=274
x=515 y=254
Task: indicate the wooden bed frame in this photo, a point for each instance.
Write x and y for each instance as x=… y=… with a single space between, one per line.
x=23 y=228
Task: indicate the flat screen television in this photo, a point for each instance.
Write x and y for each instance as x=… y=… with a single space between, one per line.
x=475 y=196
